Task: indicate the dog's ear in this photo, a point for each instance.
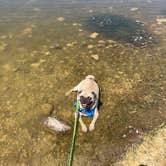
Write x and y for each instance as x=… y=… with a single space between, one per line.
x=95 y=96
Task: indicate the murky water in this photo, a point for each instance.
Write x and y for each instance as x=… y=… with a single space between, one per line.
x=46 y=47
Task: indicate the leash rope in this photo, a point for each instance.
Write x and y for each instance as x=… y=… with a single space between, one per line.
x=74 y=136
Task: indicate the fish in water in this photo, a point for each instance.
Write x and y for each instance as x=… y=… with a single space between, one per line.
x=53 y=124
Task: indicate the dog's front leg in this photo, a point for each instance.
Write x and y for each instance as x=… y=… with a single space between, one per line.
x=71 y=90
x=95 y=117
x=83 y=126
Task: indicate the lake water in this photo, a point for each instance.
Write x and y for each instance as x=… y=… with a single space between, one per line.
x=47 y=47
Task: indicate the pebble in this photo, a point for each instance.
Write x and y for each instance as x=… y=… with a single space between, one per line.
x=133 y=9
x=71 y=44
x=36 y=9
x=27 y=31
x=47 y=53
x=37 y=64
x=90 y=46
x=60 y=19
x=95 y=56
x=161 y=20
x=90 y=11
x=101 y=42
x=137 y=131
x=111 y=41
x=94 y=35
x=124 y=136
x=3 y=37
x=56 y=46
x=3 y=46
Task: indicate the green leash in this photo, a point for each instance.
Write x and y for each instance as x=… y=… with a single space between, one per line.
x=74 y=136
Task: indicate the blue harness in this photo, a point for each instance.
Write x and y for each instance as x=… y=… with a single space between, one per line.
x=89 y=112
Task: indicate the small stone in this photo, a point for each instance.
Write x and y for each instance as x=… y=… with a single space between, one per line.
x=90 y=11
x=27 y=31
x=75 y=24
x=56 y=46
x=90 y=46
x=111 y=41
x=3 y=46
x=101 y=42
x=3 y=37
x=133 y=9
x=94 y=35
x=124 y=136
x=71 y=44
x=95 y=56
x=36 y=9
x=37 y=64
x=60 y=19
x=47 y=53
x=161 y=20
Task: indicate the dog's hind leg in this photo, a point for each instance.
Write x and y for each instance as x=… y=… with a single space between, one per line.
x=83 y=126
x=95 y=117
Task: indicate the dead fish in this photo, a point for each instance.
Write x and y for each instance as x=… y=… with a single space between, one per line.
x=53 y=124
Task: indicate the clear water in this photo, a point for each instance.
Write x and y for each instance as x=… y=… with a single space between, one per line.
x=41 y=58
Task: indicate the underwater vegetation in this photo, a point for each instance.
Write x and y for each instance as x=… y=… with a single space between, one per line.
x=121 y=28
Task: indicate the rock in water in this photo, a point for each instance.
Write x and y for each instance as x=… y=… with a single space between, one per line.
x=53 y=124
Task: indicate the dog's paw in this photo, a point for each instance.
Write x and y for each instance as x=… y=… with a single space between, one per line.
x=84 y=129
x=91 y=127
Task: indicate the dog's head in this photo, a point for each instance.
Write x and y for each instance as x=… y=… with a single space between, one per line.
x=88 y=102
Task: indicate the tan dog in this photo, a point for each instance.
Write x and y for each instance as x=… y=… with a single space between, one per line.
x=88 y=98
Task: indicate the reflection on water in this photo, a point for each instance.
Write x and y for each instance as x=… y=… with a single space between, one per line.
x=46 y=47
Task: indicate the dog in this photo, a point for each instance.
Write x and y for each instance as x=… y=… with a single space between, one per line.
x=88 y=100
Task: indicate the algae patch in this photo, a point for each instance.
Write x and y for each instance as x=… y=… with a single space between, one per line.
x=121 y=28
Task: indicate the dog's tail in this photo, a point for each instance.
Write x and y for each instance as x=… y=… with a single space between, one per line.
x=90 y=77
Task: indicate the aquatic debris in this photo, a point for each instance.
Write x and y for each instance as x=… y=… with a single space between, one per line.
x=3 y=46
x=94 y=35
x=60 y=19
x=95 y=56
x=53 y=124
x=161 y=20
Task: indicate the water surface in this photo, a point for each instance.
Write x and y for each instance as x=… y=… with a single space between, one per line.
x=42 y=56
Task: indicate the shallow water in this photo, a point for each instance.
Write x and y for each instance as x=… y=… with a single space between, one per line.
x=41 y=57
